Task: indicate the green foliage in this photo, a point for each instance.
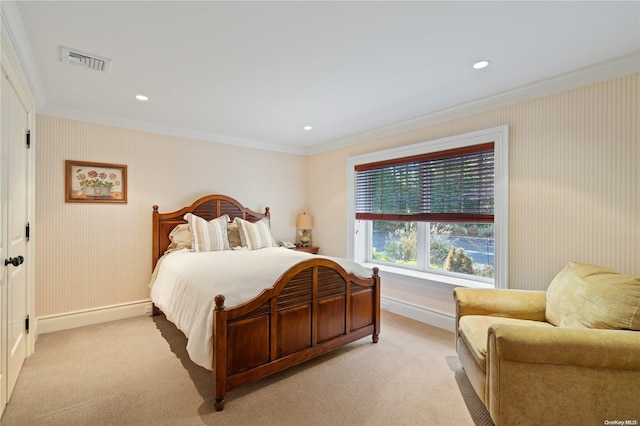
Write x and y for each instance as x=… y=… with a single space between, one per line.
x=380 y=256
x=488 y=271
x=402 y=242
x=403 y=247
x=457 y=261
x=439 y=244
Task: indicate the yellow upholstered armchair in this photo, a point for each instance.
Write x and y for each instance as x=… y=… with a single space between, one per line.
x=570 y=355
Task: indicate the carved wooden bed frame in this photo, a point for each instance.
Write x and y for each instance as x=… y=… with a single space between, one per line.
x=313 y=308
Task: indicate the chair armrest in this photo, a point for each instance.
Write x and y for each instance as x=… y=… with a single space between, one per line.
x=617 y=349
x=521 y=304
x=555 y=376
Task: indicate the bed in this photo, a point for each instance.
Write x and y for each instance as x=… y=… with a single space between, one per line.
x=312 y=306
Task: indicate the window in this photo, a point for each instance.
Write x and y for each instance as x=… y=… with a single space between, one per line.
x=439 y=207
x=440 y=247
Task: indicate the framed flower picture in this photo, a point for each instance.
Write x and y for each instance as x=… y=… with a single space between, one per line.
x=95 y=182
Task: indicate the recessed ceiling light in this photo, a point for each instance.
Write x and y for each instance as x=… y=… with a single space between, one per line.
x=142 y=98
x=481 y=64
x=307 y=128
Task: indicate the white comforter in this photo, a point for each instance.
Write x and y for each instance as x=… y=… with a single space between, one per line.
x=185 y=283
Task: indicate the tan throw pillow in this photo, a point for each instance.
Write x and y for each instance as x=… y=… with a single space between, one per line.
x=180 y=237
x=208 y=236
x=255 y=235
x=591 y=296
x=233 y=234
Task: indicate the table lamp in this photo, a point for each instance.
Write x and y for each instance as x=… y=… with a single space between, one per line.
x=303 y=222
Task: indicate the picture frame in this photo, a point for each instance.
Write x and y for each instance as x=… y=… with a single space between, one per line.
x=90 y=182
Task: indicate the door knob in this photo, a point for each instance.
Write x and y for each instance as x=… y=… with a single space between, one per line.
x=15 y=261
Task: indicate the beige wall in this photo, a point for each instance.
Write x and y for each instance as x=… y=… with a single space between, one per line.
x=574 y=192
x=573 y=195
x=94 y=255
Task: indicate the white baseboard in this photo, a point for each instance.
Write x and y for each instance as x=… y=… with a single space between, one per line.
x=67 y=320
x=419 y=313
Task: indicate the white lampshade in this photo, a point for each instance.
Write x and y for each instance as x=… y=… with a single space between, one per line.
x=303 y=221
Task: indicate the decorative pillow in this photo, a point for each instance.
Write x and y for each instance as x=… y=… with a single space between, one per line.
x=255 y=235
x=233 y=234
x=590 y=296
x=180 y=237
x=208 y=236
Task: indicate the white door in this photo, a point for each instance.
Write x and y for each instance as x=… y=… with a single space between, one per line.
x=14 y=188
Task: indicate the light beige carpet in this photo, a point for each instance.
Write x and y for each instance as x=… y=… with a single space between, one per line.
x=137 y=372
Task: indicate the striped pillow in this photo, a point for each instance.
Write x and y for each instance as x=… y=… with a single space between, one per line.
x=208 y=236
x=255 y=235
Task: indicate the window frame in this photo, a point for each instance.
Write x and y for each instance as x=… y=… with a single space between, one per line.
x=356 y=235
x=422 y=260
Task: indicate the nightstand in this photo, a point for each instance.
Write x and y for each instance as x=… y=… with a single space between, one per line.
x=309 y=249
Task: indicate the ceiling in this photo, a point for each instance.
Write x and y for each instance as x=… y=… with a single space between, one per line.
x=255 y=73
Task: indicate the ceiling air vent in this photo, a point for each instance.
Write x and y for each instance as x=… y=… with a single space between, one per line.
x=85 y=60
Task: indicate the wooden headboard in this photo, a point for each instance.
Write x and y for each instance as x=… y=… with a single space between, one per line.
x=208 y=207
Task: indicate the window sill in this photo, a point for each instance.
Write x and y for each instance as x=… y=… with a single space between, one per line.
x=442 y=283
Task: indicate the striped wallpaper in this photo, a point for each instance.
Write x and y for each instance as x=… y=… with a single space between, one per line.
x=94 y=255
x=574 y=193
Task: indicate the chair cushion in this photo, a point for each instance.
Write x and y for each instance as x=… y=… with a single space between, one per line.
x=473 y=330
x=591 y=296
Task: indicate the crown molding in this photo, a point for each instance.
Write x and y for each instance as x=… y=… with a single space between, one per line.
x=604 y=71
x=74 y=114
x=619 y=67
x=15 y=38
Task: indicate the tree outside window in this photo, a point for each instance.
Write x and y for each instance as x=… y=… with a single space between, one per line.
x=465 y=248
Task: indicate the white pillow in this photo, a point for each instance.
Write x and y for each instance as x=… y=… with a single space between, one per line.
x=255 y=235
x=208 y=236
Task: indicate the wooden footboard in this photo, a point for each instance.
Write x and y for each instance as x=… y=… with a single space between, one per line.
x=312 y=309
